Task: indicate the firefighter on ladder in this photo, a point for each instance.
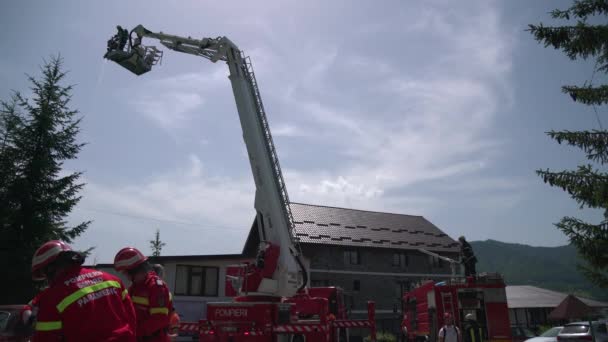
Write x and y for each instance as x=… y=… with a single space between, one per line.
x=80 y=304
x=149 y=293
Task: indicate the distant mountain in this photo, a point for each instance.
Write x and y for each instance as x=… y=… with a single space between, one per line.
x=549 y=267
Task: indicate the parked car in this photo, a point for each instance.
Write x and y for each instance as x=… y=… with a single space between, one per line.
x=11 y=327
x=548 y=336
x=520 y=334
x=580 y=332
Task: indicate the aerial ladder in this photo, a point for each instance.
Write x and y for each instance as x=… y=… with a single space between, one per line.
x=273 y=295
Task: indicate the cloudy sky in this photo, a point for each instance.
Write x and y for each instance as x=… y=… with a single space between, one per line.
x=433 y=108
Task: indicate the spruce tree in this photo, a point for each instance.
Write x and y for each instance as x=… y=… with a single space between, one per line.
x=36 y=194
x=156 y=245
x=588 y=184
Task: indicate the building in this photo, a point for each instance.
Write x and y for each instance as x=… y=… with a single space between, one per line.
x=371 y=255
x=529 y=306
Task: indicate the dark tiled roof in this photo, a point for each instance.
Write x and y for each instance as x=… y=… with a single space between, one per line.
x=349 y=227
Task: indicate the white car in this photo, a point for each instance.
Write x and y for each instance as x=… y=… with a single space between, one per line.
x=548 y=336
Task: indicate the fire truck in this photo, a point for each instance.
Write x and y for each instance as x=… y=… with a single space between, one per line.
x=482 y=295
x=274 y=303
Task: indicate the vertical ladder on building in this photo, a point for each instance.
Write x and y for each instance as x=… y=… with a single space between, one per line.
x=278 y=174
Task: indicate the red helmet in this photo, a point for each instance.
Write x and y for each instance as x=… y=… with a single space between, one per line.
x=447 y=315
x=128 y=258
x=46 y=254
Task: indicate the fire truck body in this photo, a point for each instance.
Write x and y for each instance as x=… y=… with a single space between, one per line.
x=298 y=318
x=483 y=296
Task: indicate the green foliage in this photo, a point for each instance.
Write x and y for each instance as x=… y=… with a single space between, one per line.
x=382 y=337
x=594 y=143
x=553 y=268
x=588 y=185
x=588 y=94
x=582 y=10
x=543 y=328
x=37 y=135
x=156 y=245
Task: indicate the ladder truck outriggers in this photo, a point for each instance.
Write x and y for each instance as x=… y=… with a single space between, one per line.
x=274 y=303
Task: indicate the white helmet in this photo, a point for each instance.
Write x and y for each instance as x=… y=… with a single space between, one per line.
x=469 y=317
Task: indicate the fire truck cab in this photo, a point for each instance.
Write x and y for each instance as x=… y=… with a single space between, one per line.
x=483 y=296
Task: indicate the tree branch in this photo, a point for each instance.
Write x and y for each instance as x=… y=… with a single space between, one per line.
x=587 y=186
x=594 y=143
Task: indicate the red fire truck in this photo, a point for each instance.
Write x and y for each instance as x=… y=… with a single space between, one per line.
x=483 y=296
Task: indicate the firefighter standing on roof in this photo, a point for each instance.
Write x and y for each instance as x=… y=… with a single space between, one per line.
x=80 y=304
x=149 y=293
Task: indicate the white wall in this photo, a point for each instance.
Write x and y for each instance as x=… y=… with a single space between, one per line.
x=193 y=308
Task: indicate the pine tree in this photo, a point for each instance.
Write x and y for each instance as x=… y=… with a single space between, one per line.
x=157 y=245
x=588 y=185
x=36 y=194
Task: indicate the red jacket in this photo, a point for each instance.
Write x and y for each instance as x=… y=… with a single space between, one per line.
x=152 y=306
x=85 y=305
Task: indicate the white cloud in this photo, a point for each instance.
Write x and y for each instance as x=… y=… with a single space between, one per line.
x=171 y=102
x=286 y=130
x=196 y=212
x=428 y=127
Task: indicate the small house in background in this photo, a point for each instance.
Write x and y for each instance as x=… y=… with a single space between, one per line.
x=530 y=306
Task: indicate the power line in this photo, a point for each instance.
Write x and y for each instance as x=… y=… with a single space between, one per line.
x=597 y=116
x=108 y=212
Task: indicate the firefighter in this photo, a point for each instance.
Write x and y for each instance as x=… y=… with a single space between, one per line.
x=149 y=293
x=468 y=257
x=449 y=332
x=28 y=315
x=471 y=330
x=80 y=304
x=174 y=319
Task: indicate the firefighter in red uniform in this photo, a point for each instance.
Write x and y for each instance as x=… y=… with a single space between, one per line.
x=28 y=315
x=80 y=304
x=149 y=293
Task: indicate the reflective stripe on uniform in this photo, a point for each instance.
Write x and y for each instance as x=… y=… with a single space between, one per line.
x=48 y=326
x=140 y=300
x=472 y=333
x=164 y=311
x=170 y=296
x=124 y=294
x=85 y=291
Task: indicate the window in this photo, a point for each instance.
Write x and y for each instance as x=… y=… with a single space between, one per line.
x=400 y=259
x=4 y=316
x=356 y=285
x=401 y=288
x=196 y=281
x=435 y=262
x=319 y=283
x=351 y=257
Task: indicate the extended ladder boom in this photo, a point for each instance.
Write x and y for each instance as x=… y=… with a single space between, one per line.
x=274 y=217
